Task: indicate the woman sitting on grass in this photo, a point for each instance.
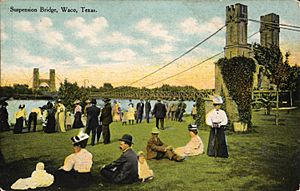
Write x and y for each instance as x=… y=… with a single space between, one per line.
x=194 y=146
x=76 y=171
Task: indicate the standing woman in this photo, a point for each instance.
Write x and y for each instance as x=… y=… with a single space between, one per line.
x=20 y=117
x=217 y=119
x=50 y=119
x=60 y=110
x=4 y=126
x=77 y=115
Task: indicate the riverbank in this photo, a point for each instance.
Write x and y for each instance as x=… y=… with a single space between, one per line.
x=266 y=160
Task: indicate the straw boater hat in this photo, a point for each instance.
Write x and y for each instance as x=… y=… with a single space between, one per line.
x=155 y=130
x=217 y=100
x=88 y=101
x=127 y=138
x=77 y=102
x=193 y=127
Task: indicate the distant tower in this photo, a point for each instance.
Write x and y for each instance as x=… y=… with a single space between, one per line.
x=236 y=31
x=269 y=30
x=52 y=80
x=36 y=79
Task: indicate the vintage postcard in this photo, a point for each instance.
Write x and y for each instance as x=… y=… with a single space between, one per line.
x=151 y=65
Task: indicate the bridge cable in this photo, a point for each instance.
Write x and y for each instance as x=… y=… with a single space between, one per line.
x=177 y=58
x=193 y=65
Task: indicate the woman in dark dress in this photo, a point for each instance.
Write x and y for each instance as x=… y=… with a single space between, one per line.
x=217 y=119
x=50 y=119
x=77 y=115
x=4 y=126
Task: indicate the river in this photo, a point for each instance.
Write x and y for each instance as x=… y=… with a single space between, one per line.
x=30 y=104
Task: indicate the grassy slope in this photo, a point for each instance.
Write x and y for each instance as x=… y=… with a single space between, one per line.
x=268 y=159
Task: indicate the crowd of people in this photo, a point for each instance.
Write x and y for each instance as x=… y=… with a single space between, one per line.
x=130 y=167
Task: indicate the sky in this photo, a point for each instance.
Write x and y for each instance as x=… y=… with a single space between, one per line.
x=120 y=42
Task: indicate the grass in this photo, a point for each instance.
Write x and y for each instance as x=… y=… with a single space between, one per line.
x=267 y=159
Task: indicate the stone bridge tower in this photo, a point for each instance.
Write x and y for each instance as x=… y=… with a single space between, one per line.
x=236 y=31
x=37 y=80
x=269 y=30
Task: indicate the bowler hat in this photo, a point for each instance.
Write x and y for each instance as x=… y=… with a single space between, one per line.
x=106 y=99
x=127 y=138
x=155 y=130
x=94 y=101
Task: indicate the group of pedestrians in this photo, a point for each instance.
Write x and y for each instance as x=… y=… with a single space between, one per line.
x=131 y=167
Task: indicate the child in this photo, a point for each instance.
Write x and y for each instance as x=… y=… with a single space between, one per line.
x=124 y=117
x=68 y=120
x=39 y=178
x=145 y=173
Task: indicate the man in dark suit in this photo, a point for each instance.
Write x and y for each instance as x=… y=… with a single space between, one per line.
x=156 y=149
x=93 y=120
x=159 y=111
x=125 y=169
x=106 y=119
x=147 y=110
x=139 y=111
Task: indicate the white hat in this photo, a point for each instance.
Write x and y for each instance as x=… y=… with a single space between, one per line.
x=217 y=100
x=80 y=137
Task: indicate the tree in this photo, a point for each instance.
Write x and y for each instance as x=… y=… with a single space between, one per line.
x=69 y=92
x=272 y=60
x=277 y=71
x=107 y=86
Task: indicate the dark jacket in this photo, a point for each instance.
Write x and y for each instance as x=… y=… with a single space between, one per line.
x=154 y=146
x=147 y=107
x=106 y=115
x=125 y=168
x=92 y=116
x=159 y=110
x=140 y=108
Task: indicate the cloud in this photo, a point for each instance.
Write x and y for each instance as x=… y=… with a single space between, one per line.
x=86 y=30
x=38 y=61
x=155 y=30
x=24 y=25
x=3 y=35
x=119 y=38
x=45 y=23
x=118 y=56
x=193 y=27
x=165 y=48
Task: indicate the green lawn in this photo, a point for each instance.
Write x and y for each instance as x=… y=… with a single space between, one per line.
x=266 y=159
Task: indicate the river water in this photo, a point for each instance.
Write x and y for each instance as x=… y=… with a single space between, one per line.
x=30 y=104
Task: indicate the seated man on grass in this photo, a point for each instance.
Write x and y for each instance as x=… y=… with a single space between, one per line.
x=156 y=149
x=125 y=169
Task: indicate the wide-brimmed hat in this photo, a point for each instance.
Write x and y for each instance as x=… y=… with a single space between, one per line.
x=59 y=101
x=106 y=100
x=155 y=130
x=77 y=102
x=217 y=100
x=80 y=137
x=193 y=127
x=127 y=138
x=88 y=101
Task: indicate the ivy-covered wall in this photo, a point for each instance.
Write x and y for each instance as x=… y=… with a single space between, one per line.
x=237 y=74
